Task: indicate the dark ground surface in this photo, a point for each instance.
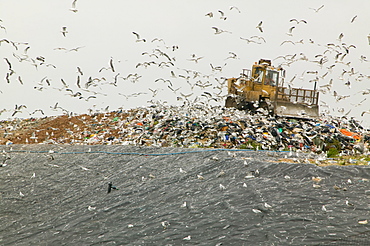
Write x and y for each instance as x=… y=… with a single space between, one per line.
x=61 y=198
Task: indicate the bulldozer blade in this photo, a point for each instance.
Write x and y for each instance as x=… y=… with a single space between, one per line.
x=297 y=110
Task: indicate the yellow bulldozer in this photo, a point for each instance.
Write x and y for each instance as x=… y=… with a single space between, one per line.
x=262 y=88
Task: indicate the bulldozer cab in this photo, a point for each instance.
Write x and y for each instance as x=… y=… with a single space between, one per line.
x=263 y=87
x=264 y=73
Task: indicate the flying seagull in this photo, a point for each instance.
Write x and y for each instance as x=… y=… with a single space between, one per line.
x=73 y=9
x=287 y=41
x=290 y=32
x=233 y=7
x=218 y=30
x=138 y=39
x=110 y=187
x=298 y=21
x=249 y=40
x=111 y=64
x=318 y=9
x=80 y=71
x=365 y=112
x=64 y=31
x=210 y=14
x=222 y=17
x=260 y=26
x=340 y=37
x=75 y=49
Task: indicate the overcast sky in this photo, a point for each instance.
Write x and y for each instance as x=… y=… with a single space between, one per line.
x=181 y=48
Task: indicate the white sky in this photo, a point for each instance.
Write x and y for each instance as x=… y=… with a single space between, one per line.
x=104 y=30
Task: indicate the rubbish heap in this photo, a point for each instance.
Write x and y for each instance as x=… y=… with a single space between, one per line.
x=192 y=127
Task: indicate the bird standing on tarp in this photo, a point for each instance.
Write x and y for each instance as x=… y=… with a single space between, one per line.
x=110 y=187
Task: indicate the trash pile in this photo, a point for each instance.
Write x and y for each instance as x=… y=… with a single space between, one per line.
x=192 y=127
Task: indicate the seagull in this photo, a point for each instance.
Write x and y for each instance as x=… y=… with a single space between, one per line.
x=60 y=48
x=159 y=40
x=219 y=31
x=340 y=37
x=38 y=110
x=84 y=168
x=146 y=53
x=73 y=9
x=186 y=96
x=222 y=17
x=297 y=21
x=217 y=68
x=317 y=10
x=185 y=205
x=26 y=49
x=360 y=103
x=222 y=173
x=138 y=37
x=348 y=84
x=259 y=26
x=9 y=64
x=353 y=19
x=200 y=177
x=363 y=58
x=267 y=205
x=4 y=40
x=257 y=211
x=76 y=49
x=195 y=59
x=64 y=31
x=89 y=97
x=111 y=64
x=3 y=27
x=18 y=109
x=232 y=56
x=110 y=187
x=233 y=7
x=164 y=80
x=173 y=75
x=349 y=204
x=210 y=14
x=289 y=33
x=365 y=112
x=287 y=41
x=187 y=238
x=7 y=77
x=250 y=175
x=316 y=179
x=154 y=91
x=249 y=40
x=165 y=224
x=259 y=38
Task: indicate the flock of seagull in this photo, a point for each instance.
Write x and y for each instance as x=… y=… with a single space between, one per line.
x=204 y=87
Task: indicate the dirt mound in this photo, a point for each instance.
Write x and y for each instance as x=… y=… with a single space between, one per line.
x=59 y=129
